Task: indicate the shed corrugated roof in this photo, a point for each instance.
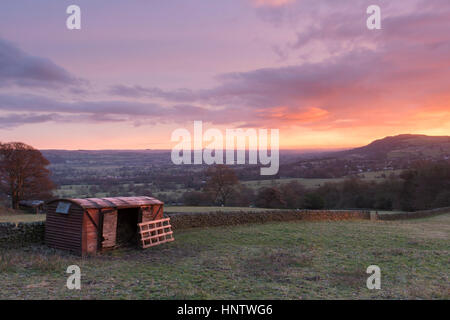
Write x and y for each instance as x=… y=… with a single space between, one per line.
x=116 y=202
x=31 y=203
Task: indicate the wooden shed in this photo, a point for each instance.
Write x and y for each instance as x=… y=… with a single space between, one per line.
x=33 y=206
x=89 y=225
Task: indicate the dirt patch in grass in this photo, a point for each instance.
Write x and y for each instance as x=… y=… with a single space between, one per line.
x=429 y=231
x=275 y=263
x=355 y=278
x=32 y=259
x=429 y=228
x=424 y=291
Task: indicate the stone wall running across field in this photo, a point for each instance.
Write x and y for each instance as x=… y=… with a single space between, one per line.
x=22 y=232
x=220 y=218
x=28 y=232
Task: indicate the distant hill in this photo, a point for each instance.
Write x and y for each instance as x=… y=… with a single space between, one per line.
x=390 y=153
x=404 y=146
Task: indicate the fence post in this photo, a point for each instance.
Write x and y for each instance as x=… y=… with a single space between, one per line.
x=373 y=215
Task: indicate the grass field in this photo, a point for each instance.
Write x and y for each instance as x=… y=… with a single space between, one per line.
x=297 y=260
x=377 y=176
x=22 y=218
x=10 y=215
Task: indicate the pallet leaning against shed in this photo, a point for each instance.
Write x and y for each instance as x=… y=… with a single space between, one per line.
x=87 y=226
x=155 y=232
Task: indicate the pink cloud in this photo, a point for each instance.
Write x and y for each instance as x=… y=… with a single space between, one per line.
x=271 y=3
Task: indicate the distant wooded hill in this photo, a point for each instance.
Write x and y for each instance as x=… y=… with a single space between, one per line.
x=402 y=146
x=390 y=153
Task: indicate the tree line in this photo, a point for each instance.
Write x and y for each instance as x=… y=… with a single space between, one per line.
x=425 y=185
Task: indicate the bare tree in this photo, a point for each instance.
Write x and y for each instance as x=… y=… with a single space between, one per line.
x=23 y=173
x=221 y=183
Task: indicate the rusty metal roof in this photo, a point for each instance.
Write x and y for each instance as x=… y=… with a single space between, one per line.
x=116 y=202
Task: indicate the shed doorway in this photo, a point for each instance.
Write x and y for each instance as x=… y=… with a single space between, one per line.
x=127 y=227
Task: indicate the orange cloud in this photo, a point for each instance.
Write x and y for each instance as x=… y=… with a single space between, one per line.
x=285 y=116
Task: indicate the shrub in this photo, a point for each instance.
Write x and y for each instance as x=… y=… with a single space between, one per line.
x=313 y=201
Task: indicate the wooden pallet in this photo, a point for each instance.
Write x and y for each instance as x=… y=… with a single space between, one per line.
x=155 y=232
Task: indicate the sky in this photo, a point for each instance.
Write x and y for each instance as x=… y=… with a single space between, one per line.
x=139 y=69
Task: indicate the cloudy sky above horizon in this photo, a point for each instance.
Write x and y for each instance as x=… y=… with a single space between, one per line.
x=139 y=69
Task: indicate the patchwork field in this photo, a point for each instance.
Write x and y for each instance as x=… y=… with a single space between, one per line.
x=296 y=260
x=85 y=190
x=376 y=176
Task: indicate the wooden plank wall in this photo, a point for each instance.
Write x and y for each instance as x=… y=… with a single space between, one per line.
x=151 y=213
x=109 y=229
x=90 y=231
x=63 y=231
